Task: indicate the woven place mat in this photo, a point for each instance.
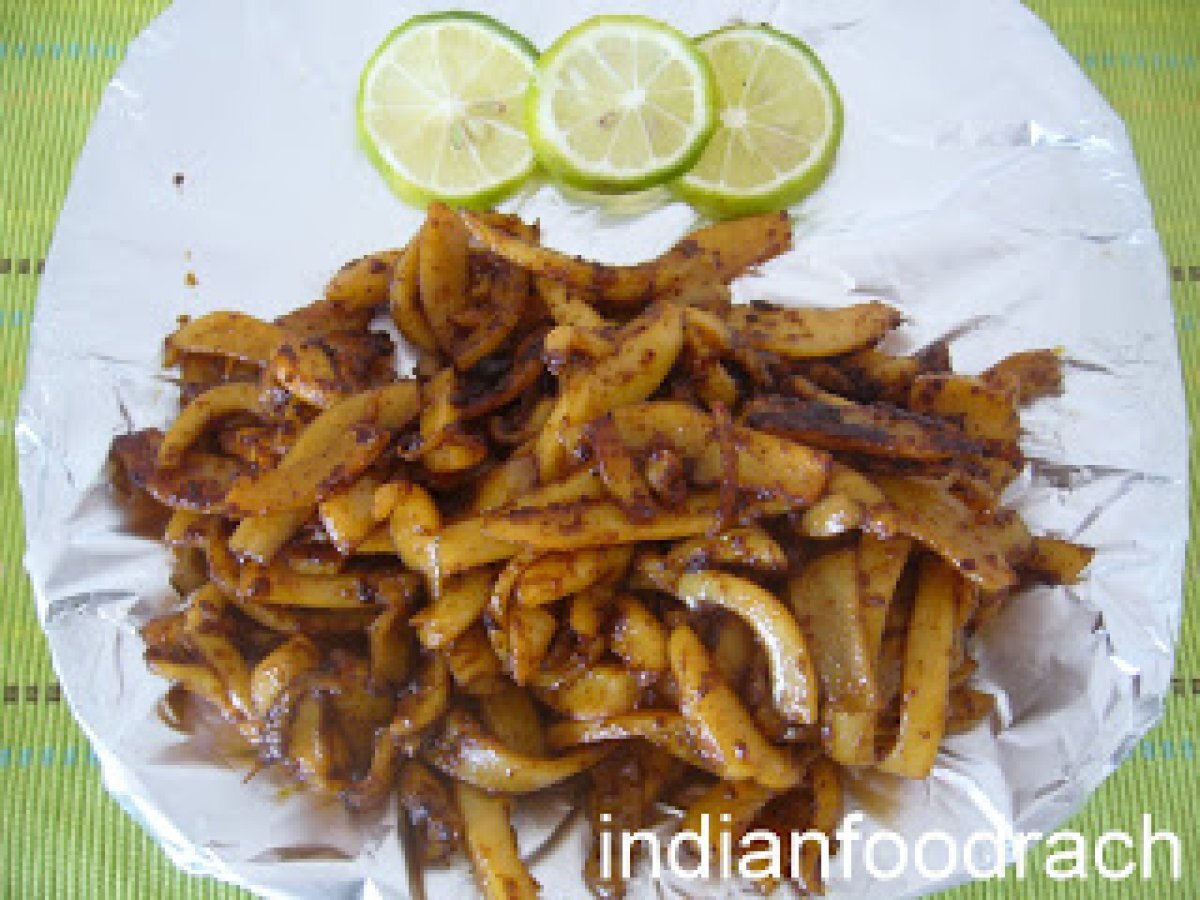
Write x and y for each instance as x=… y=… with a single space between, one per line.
x=60 y=834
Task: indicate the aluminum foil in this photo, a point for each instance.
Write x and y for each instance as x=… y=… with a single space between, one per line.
x=983 y=187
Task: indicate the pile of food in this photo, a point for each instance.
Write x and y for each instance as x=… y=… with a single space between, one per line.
x=615 y=534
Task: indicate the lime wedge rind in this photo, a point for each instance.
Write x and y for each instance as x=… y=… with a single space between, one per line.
x=550 y=143
x=790 y=186
x=499 y=181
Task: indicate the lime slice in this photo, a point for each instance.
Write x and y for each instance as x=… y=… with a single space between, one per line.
x=780 y=123
x=620 y=103
x=440 y=109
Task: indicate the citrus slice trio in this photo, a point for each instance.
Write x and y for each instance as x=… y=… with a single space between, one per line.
x=458 y=107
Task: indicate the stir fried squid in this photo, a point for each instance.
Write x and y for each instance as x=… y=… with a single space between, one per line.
x=614 y=534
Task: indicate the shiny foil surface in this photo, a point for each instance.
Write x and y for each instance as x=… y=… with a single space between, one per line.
x=983 y=187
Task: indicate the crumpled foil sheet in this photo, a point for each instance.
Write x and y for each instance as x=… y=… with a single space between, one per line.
x=983 y=187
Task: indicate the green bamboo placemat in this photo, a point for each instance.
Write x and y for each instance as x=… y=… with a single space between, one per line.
x=60 y=834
